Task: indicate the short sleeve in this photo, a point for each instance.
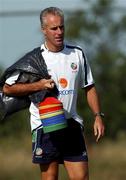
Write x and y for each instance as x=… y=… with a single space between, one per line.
x=86 y=77
x=13 y=78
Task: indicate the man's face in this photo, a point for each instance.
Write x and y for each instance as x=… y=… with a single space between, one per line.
x=54 y=31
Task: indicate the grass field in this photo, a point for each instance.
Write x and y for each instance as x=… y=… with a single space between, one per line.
x=107 y=160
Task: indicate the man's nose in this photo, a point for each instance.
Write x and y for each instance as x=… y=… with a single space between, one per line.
x=59 y=30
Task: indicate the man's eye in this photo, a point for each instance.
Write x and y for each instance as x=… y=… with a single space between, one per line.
x=54 y=28
x=61 y=27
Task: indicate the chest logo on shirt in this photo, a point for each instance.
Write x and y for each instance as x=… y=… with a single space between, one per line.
x=63 y=82
x=73 y=66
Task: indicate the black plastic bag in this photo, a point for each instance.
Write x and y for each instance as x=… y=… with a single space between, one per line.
x=32 y=68
x=10 y=105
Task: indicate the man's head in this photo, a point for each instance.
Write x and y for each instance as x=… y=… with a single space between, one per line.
x=52 y=25
x=52 y=11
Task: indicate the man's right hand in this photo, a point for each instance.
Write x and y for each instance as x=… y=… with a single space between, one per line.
x=20 y=89
x=46 y=84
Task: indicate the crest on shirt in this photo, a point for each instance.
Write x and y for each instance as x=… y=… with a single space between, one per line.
x=73 y=66
x=39 y=151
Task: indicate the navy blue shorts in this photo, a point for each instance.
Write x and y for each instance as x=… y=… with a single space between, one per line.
x=62 y=145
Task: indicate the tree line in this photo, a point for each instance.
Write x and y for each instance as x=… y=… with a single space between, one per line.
x=101 y=32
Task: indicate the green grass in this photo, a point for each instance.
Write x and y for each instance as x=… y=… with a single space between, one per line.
x=107 y=160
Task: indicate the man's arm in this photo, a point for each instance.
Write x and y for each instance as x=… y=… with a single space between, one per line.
x=20 y=89
x=94 y=104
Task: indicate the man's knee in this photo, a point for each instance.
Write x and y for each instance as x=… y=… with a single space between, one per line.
x=77 y=170
x=49 y=171
x=78 y=176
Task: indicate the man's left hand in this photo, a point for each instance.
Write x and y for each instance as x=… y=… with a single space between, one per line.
x=98 y=128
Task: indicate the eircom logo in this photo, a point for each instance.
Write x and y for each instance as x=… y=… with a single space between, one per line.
x=63 y=82
x=67 y=92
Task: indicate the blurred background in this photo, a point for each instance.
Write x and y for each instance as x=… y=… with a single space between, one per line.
x=99 y=26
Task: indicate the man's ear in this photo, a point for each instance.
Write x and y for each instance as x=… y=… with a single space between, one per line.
x=43 y=30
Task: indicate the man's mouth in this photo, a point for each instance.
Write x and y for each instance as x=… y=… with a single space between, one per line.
x=59 y=39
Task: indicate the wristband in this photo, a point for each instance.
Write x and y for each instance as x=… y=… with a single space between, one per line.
x=99 y=114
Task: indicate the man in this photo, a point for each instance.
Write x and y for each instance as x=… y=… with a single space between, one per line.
x=69 y=70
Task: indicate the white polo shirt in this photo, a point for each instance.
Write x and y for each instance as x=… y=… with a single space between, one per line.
x=70 y=70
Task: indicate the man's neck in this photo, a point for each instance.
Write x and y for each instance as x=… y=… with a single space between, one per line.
x=53 y=48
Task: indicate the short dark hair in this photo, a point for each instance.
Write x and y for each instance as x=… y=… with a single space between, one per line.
x=50 y=10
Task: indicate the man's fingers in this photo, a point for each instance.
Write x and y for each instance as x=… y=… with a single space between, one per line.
x=98 y=133
x=95 y=131
x=50 y=84
x=98 y=137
